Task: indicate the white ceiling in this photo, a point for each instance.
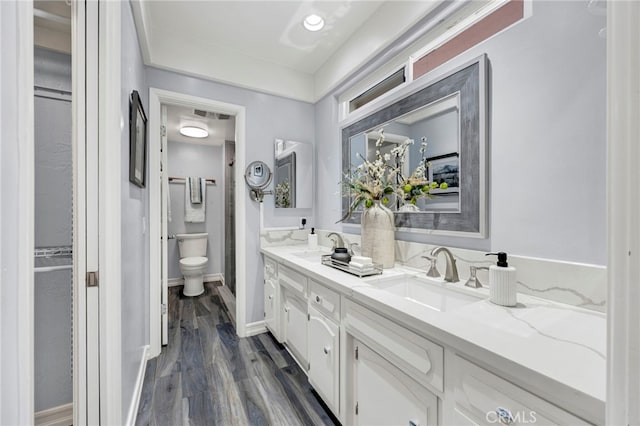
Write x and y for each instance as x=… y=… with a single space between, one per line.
x=219 y=128
x=262 y=45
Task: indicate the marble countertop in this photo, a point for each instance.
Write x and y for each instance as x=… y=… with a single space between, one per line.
x=554 y=350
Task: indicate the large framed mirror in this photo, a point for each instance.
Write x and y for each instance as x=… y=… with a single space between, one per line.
x=449 y=112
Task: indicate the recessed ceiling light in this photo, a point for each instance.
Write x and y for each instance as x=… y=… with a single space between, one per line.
x=193 y=132
x=313 y=22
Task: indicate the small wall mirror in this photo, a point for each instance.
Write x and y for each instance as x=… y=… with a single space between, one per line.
x=448 y=111
x=258 y=176
x=293 y=176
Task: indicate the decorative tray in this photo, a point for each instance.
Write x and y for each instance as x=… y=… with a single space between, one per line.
x=343 y=266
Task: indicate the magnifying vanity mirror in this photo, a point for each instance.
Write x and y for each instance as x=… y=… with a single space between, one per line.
x=449 y=114
x=258 y=176
x=293 y=174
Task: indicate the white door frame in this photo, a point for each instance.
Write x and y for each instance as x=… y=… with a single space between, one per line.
x=110 y=213
x=157 y=97
x=16 y=213
x=623 y=180
x=78 y=93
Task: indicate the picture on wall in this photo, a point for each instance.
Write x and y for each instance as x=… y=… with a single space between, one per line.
x=444 y=169
x=137 y=141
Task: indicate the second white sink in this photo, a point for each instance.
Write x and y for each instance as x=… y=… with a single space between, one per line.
x=432 y=294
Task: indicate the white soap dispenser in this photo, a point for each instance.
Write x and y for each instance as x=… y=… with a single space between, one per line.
x=502 y=282
x=312 y=239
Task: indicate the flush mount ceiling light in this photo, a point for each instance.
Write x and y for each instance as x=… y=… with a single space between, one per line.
x=313 y=22
x=193 y=132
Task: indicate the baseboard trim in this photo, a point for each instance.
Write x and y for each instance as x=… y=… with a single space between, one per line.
x=174 y=282
x=137 y=390
x=61 y=415
x=254 y=328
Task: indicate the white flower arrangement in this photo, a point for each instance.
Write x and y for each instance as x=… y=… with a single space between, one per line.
x=377 y=180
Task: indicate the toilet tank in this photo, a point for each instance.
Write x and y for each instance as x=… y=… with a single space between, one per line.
x=192 y=245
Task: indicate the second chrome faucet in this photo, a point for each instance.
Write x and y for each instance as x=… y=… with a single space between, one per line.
x=451 y=272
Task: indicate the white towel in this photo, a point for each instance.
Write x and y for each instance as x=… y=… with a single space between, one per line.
x=359 y=267
x=194 y=213
x=196 y=190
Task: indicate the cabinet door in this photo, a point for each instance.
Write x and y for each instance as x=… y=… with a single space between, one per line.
x=324 y=347
x=270 y=299
x=294 y=330
x=384 y=395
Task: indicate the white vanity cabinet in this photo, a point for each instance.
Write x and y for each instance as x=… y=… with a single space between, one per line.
x=393 y=376
x=271 y=297
x=482 y=398
x=324 y=343
x=293 y=313
x=385 y=395
x=371 y=366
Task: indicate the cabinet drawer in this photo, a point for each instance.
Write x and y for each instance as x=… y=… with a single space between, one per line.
x=484 y=398
x=270 y=268
x=420 y=358
x=324 y=300
x=294 y=281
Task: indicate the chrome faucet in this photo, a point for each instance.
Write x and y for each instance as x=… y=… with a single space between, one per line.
x=338 y=242
x=451 y=273
x=433 y=269
x=473 y=280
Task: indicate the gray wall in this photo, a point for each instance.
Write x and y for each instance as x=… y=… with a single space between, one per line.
x=186 y=159
x=267 y=118
x=53 y=223
x=547 y=150
x=135 y=208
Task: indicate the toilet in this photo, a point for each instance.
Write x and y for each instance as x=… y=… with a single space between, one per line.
x=193 y=261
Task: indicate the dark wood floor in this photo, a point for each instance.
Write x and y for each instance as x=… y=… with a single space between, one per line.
x=207 y=375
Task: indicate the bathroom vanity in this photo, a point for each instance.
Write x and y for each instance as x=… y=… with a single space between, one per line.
x=401 y=348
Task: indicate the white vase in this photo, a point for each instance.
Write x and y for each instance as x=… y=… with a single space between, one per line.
x=378 y=235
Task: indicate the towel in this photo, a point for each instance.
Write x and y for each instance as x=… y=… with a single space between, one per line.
x=194 y=213
x=196 y=190
x=360 y=267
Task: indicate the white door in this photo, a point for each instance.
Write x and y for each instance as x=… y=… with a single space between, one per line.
x=384 y=395
x=164 y=220
x=295 y=326
x=324 y=341
x=97 y=242
x=87 y=251
x=270 y=303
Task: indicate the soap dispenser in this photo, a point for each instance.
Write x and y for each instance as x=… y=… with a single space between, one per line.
x=312 y=239
x=502 y=282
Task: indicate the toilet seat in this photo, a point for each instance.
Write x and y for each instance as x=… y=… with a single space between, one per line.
x=193 y=261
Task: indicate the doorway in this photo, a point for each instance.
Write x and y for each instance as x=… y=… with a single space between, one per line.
x=206 y=157
x=159 y=241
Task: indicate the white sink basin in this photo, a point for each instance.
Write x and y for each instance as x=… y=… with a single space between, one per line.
x=425 y=292
x=311 y=255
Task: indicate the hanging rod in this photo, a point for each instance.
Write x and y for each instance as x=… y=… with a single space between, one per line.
x=182 y=180
x=39 y=13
